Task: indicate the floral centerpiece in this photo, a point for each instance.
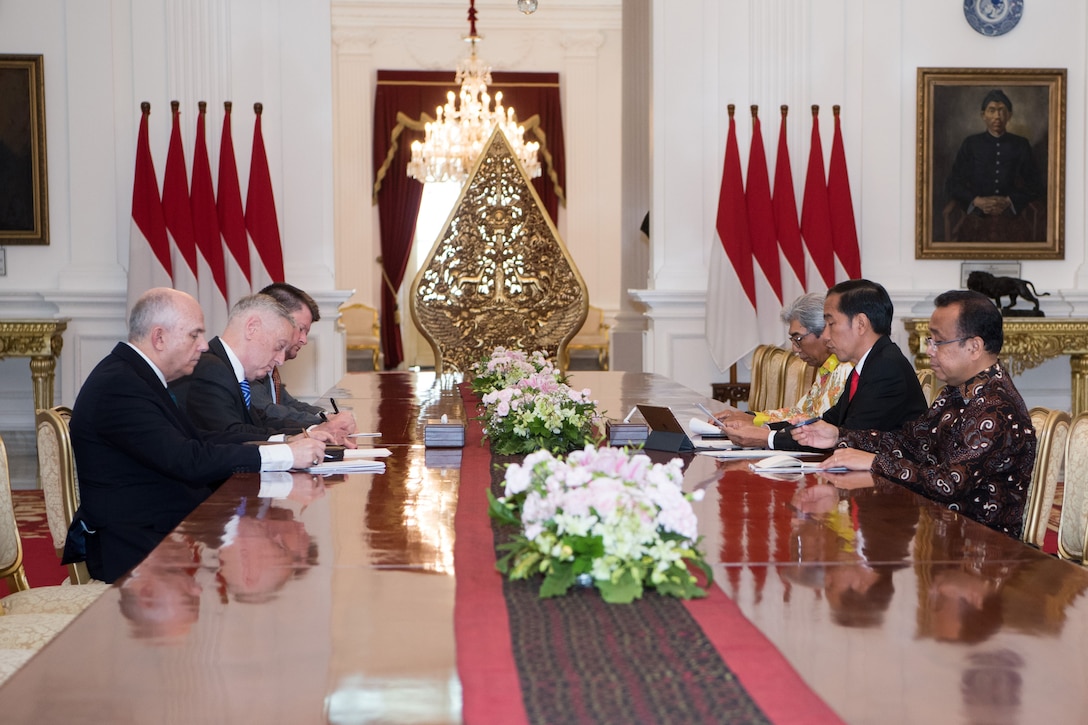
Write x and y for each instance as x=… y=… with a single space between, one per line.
x=538 y=412
x=505 y=367
x=604 y=516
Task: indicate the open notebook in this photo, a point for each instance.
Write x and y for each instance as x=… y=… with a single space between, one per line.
x=783 y=463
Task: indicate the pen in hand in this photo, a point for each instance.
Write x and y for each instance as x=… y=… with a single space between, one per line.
x=335 y=407
x=713 y=418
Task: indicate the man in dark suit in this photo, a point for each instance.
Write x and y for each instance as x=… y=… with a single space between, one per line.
x=269 y=395
x=882 y=391
x=217 y=395
x=142 y=464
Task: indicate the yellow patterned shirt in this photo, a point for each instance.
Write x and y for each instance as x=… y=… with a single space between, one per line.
x=825 y=392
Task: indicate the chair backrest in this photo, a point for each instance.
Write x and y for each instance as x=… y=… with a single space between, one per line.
x=1038 y=417
x=60 y=485
x=797 y=378
x=1052 y=436
x=498 y=275
x=11 y=546
x=927 y=379
x=361 y=324
x=1074 y=516
x=757 y=391
x=594 y=331
x=775 y=363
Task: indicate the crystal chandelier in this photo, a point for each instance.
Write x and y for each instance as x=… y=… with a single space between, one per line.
x=454 y=140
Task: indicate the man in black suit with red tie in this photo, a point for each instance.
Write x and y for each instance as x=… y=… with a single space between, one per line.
x=881 y=393
x=142 y=464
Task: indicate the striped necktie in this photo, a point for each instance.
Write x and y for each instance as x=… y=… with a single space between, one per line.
x=245 y=391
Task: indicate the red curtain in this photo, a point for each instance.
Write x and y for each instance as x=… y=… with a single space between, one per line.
x=402 y=98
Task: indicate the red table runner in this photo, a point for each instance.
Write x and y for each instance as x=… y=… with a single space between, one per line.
x=575 y=658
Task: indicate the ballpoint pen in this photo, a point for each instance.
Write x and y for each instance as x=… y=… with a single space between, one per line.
x=335 y=408
x=713 y=418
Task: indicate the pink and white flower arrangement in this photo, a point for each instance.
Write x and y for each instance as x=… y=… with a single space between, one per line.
x=506 y=367
x=603 y=515
x=537 y=412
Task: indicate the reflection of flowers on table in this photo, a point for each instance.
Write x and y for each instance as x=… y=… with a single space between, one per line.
x=602 y=515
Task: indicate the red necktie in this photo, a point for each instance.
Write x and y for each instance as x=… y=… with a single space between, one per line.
x=853 y=384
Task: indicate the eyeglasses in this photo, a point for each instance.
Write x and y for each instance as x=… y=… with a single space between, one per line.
x=796 y=337
x=930 y=342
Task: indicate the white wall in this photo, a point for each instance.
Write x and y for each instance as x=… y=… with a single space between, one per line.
x=102 y=58
x=864 y=57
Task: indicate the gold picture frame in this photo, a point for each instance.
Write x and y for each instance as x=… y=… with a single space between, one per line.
x=957 y=151
x=24 y=187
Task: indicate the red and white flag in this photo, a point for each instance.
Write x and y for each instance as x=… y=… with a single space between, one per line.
x=232 y=220
x=844 y=231
x=212 y=276
x=815 y=213
x=148 y=247
x=178 y=214
x=786 y=225
x=768 y=276
x=731 y=327
x=261 y=222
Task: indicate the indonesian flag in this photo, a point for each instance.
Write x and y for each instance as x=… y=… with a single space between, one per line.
x=815 y=213
x=768 y=278
x=844 y=231
x=232 y=220
x=178 y=214
x=786 y=225
x=213 y=276
x=261 y=223
x=731 y=327
x=148 y=247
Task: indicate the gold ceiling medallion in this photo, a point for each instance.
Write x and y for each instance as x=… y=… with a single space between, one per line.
x=498 y=274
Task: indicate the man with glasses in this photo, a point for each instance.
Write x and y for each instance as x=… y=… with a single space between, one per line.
x=882 y=391
x=974 y=450
x=805 y=318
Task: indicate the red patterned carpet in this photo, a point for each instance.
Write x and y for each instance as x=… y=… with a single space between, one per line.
x=39 y=558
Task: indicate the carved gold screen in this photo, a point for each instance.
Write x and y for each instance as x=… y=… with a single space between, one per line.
x=498 y=275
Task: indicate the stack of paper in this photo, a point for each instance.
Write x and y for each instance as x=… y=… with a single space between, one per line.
x=783 y=463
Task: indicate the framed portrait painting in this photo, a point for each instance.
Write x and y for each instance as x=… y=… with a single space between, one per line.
x=24 y=190
x=990 y=163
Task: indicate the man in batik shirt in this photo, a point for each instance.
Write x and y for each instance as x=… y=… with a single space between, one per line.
x=974 y=449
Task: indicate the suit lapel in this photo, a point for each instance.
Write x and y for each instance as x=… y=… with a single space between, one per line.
x=215 y=346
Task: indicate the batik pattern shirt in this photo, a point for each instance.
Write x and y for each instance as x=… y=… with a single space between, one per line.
x=973 y=451
x=825 y=391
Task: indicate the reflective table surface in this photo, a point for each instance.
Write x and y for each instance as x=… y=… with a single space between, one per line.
x=304 y=599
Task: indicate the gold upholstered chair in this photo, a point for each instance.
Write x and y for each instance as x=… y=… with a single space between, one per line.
x=592 y=336
x=760 y=385
x=60 y=486
x=797 y=378
x=770 y=380
x=927 y=379
x=1052 y=433
x=24 y=600
x=364 y=332
x=498 y=274
x=1074 y=515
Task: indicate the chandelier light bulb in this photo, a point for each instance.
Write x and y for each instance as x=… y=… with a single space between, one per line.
x=527 y=6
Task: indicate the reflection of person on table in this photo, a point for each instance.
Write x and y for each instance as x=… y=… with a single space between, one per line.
x=994 y=178
x=974 y=449
x=882 y=390
x=161 y=598
x=857 y=546
x=262 y=547
x=143 y=465
x=805 y=320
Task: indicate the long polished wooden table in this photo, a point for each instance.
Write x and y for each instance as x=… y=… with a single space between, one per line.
x=335 y=602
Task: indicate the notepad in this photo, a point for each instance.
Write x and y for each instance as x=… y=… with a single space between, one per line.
x=783 y=463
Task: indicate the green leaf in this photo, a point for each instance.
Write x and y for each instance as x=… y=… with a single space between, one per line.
x=500 y=512
x=558 y=581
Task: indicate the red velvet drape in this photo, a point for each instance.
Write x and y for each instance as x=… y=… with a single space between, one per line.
x=411 y=94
